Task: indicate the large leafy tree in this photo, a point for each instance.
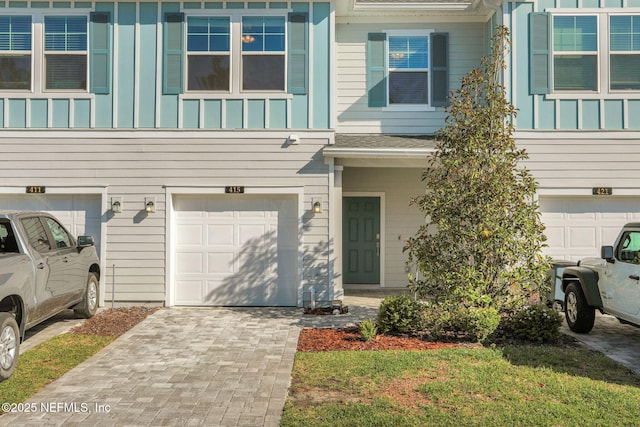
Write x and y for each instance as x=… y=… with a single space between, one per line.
x=481 y=244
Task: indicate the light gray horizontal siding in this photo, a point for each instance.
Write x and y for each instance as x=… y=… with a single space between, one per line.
x=583 y=163
x=466 y=47
x=401 y=220
x=142 y=167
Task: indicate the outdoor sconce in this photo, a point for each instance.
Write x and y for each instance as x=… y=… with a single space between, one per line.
x=293 y=138
x=116 y=205
x=317 y=206
x=149 y=204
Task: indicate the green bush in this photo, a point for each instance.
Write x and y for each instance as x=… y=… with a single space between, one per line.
x=400 y=314
x=368 y=330
x=475 y=323
x=536 y=323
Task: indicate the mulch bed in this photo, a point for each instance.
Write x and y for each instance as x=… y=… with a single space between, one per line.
x=113 y=321
x=349 y=339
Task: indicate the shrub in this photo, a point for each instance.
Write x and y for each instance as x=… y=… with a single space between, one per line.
x=368 y=330
x=536 y=323
x=475 y=323
x=400 y=314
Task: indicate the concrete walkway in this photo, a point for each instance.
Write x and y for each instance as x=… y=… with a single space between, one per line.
x=215 y=367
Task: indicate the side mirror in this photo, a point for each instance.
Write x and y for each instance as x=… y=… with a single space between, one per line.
x=606 y=252
x=84 y=241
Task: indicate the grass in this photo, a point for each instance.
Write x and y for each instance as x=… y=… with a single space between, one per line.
x=47 y=362
x=502 y=386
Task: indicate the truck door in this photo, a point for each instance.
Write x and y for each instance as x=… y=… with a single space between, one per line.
x=623 y=290
x=49 y=269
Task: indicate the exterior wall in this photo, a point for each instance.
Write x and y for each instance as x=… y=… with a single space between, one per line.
x=134 y=166
x=466 y=47
x=579 y=111
x=137 y=100
x=401 y=221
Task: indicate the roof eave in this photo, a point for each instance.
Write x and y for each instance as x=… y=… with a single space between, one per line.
x=378 y=153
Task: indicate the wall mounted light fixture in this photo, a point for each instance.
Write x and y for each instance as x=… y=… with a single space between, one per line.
x=317 y=205
x=150 y=204
x=116 y=205
x=293 y=138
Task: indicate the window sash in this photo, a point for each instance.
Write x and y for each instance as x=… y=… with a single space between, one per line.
x=65 y=72
x=263 y=72
x=65 y=33
x=408 y=73
x=263 y=34
x=208 y=34
x=408 y=87
x=15 y=33
x=575 y=72
x=15 y=72
x=208 y=72
x=408 y=52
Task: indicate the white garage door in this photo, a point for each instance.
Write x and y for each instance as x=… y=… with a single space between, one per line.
x=80 y=213
x=235 y=250
x=576 y=227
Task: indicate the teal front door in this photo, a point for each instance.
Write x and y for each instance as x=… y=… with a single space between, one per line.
x=361 y=240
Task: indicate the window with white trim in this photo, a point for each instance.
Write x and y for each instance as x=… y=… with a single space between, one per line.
x=408 y=65
x=594 y=55
x=624 y=52
x=263 y=53
x=15 y=52
x=208 y=53
x=65 y=52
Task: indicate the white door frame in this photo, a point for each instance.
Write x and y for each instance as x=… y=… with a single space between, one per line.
x=220 y=190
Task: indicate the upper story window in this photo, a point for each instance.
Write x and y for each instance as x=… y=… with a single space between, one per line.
x=624 y=51
x=15 y=52
x=234 y=53
x=208 y=51
x=575 y=53
x=593 y=55
x=263 y=53
x=65 y=52
x=407 y=69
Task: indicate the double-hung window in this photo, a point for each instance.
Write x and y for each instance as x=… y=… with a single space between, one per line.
x=263 y=53
x=624 y=52
x=407 y=69
x=15 y=52
x=208 y=53
x=575 y=53
x=408 y=64
x=65 y=52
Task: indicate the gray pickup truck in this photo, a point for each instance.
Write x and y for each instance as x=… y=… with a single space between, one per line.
x=43 y=270
x=610 y=284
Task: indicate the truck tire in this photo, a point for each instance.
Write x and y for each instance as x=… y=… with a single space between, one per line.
x=9 y=345
x=90 y=304
x=580 y=316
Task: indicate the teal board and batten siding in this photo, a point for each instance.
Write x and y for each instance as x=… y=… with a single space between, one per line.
x=134 y=97
x=466 y=45
x=567 y=112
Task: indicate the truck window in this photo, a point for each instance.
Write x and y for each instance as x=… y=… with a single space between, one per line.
x=60 y=236
x=36 y=234
x=629 y=247
x=8 y=243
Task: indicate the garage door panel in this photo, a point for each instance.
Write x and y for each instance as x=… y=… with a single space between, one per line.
x=250 y=249
x=189 y=263
x=190 y=292
x=189 y=235
x=220 y=235
x=576 y=227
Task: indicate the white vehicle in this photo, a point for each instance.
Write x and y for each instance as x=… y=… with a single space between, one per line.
x=610 y=283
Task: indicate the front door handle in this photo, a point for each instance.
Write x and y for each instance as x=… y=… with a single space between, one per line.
x=634 y=277
x=40 y=266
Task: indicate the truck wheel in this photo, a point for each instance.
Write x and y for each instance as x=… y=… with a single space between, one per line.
x=580 y=317
x=9 y=345
x=90 y=303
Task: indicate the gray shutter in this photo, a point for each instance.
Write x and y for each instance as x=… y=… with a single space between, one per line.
x=298 y=51
x=100 y=52
x=439 y=69
x=173 y=49
x=539 y=53
x=377 y=69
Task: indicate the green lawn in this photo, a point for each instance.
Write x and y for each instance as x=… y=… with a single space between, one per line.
x=499 y=386
x=47 y=362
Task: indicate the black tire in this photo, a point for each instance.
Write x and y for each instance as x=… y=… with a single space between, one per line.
x=89 y=306
x=9 y=345
x=580 y=316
